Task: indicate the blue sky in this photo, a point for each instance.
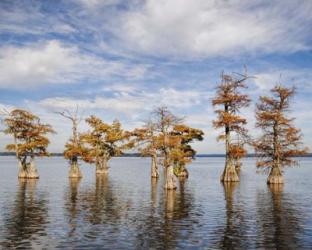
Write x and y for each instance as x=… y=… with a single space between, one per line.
x=121 y=59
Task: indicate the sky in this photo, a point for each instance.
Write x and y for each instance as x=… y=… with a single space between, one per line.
x=121 y=59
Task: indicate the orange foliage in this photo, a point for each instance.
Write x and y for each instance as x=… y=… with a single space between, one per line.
x=230 y=100
x=29 y=134
x=280 y=140
x=167 y=136
x=104 y=140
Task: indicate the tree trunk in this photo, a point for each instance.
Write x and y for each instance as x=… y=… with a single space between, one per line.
x=154 y=167
x=170 y=182
x=229 y=173
x=22 y=174
x=74 y=171
x=275 y=176
x=32 y=172
x=102 y=166
x=28 y=170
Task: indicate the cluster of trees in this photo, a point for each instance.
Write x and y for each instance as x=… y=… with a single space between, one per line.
x=166 y=139
x=279 y=142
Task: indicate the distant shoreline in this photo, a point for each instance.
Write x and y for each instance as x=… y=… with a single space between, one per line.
x=138 y=155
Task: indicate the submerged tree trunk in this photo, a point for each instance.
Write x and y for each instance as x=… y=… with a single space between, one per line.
x=28 y=170
x=170 y=182
x=21 y=170
x=229 y=173
x=275 y=176
x=154 y=167
x=74 y=170
x=32 y=172
x=102 y=166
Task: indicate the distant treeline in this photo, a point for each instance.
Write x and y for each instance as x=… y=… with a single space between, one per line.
x=139 y=155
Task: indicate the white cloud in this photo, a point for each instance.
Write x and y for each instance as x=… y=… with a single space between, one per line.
x=98 y=3
x=22 y=18
x=178 y=28
x=300 y=78
x=54 y=62
x=132 y=109
x=202 y=28
x=130 y=103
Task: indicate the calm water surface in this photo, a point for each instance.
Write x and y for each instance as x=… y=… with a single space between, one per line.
x=126 y=210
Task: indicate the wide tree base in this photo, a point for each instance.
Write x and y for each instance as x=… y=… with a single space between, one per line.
x=229 y=174
x=170 y=181
x=154 y=176
x=275 y=177
x=170 y=184
x=28 y=172
x=28 y=176
x=74 y=172
x=101 y=171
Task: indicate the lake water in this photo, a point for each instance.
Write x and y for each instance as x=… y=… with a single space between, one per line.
x=126 y=210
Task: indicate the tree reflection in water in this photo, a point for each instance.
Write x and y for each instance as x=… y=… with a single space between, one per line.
x=169 y=224
x=232 y=236
x=278 y=220
x=88 y=210
x=154 y=191
x=71 y=205
x=27 y=219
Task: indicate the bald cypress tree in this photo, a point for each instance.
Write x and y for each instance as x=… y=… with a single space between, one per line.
x=183 y=153
x=230 y=100
x=30 y=140
x=73 y=148
x=147 y=141
x=167 y=138
x=280 y=140
x=102 y=142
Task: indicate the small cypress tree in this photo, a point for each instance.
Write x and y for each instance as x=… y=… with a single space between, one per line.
x=73 y=148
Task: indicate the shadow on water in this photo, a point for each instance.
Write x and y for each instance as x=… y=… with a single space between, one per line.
x=27 y=217
x=279 y=220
